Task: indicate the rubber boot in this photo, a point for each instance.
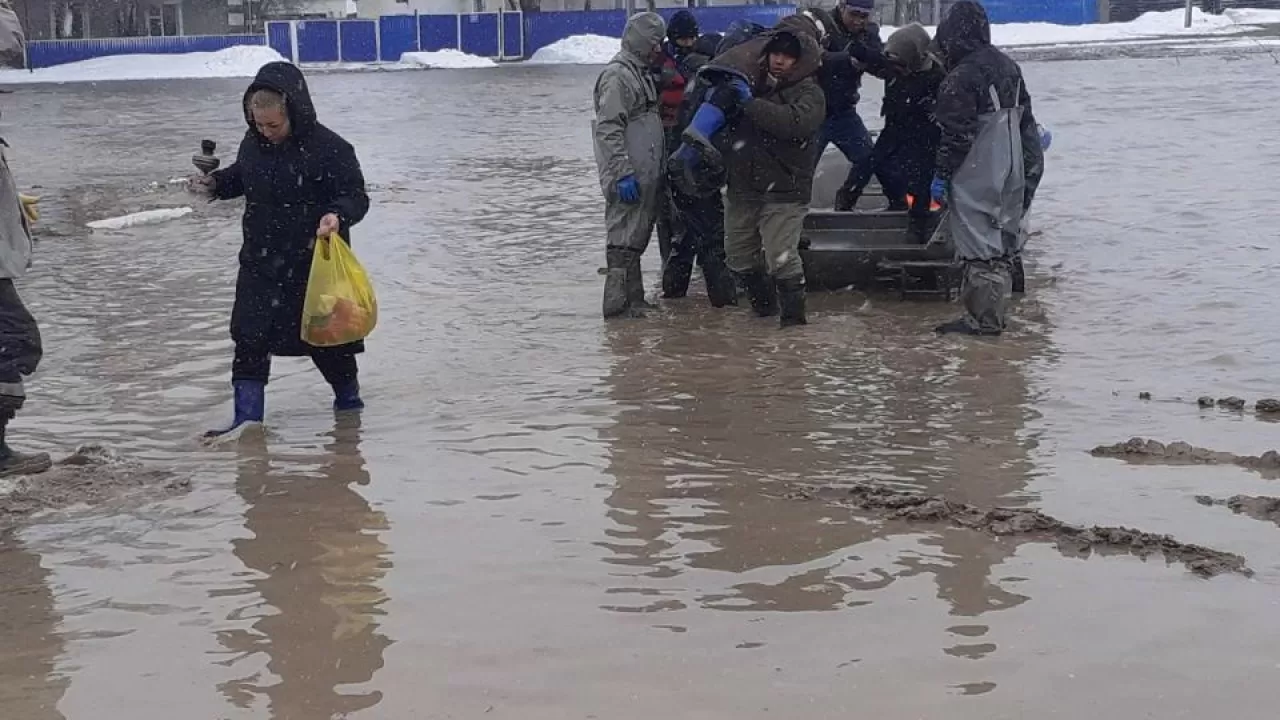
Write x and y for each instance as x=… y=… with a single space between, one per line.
x=347 y=397
x=919 y=229
x=760 y=290
x=706 y=122
x=1019 y=275
x=791 y=300
x=721 y=288
x=16 y=463
x=963 y=327
x=847 y=200
x=675 y=276
x=635 y=287
x=615 y=282
x=250 y=405
x=898 y=205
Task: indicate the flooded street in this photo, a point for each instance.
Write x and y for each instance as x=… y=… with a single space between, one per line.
x=543 y=516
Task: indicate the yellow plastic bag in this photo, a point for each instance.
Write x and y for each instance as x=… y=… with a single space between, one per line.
x=339 y=307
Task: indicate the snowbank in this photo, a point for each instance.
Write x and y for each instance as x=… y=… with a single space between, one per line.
x=1148 y=26
x=446 y=60
x=240 y=61
x=578 y=50
x=146 y=217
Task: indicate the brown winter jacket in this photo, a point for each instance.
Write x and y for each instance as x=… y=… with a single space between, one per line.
x=773 y=148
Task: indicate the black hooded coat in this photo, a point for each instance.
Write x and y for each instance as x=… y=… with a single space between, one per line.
x=287 y=189
x=975 y=65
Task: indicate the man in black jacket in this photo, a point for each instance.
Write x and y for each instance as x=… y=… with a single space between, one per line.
x=989 y=164
x=852 y=46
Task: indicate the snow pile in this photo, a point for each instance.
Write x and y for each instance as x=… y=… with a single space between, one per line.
x=446 y=60
x=239 y=61
x=146 y=217
x=578 y=50
x=1152 y=25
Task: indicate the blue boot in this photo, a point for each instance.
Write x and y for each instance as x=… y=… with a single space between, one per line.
x=706 y=122
x=347 y=397
x=250 y=405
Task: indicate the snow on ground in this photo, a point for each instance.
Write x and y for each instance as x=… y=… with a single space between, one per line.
x=578 y=50
x=446 y=60
x=598 y=50
x=146 y=217
x=239 y=61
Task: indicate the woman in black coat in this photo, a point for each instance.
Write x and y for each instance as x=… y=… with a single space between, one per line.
x=300 y=181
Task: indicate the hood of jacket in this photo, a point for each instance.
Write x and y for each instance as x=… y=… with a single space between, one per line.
x=749 y=59
x=644 y=32
x=909 y=45
x=964 y=30
x=286 y=79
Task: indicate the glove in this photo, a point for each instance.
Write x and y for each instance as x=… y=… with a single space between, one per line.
x=629 y=190
x=938 y=190
x=743 y=90
x=1046 y=137
x=30 y=207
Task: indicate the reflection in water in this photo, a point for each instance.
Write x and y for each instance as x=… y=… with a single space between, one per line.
x=702 y=474
x=320 y=560
x=30 y=645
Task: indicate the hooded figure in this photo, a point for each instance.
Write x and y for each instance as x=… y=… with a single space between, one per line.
x=770 y=159
x=300 y=181
x=905 y=151
x=629 y=151
x=13 y=41
x=989 y=163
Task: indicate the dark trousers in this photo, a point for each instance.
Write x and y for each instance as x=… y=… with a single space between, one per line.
x=701 y=238
x=850 y=136
x=20 y=347
x=339 y=369
x=904 y=165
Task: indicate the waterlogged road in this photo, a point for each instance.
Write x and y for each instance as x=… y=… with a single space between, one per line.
x=543 y=516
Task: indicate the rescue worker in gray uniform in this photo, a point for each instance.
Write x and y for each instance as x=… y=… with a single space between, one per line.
x=20 y=346
x=629 y=150
x=989 y=164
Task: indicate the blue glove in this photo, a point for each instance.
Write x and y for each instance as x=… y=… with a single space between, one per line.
x=938 y=190
x=629 y=190
x=741 y=87
x=1046 y=137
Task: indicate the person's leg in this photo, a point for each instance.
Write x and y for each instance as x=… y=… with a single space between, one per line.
x=851 y=137
x=677 y=266
x=341 y=371
x=20 y=353
x=985 y=293
x=887 y=159
x=709 y=233
x=744 y=253
x=780 y=227
x=919 y=167
x=628 y=228
x=250 y=371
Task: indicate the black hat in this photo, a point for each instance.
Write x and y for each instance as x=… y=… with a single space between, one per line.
x=784 y=43
x=683 y=25
x=864 y=7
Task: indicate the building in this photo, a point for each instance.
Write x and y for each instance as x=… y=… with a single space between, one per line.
x=68 y=19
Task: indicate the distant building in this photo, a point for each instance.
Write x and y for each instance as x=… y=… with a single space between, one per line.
x=67 y=19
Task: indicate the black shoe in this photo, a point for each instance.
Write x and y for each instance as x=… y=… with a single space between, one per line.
x=961 y=327
x=919 y=229
x=846 y=200
x=16 y=463
x=760 y=290
x=675 y=277
x=791 y=300
x=899 y=205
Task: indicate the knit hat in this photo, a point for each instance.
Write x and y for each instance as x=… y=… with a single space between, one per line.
x=784 y=43
x=863 y=7
x=683 y=25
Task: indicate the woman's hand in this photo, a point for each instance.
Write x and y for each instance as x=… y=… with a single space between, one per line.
x=202 y=185
x=329 y=225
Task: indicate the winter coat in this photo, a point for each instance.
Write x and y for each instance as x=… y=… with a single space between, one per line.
x=840 y=80
x=678 y=68
x=911 y=86
x=772 y=148
x=287 y=189
x=627 y=128
x=964 y=38
x=15 y=233
x=13 y=40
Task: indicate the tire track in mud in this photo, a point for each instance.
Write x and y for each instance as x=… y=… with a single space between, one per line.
x=1034 y=525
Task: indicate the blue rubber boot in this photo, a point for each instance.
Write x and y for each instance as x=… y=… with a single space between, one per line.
x=347 y=397
x=250 y=405
x=706 y=122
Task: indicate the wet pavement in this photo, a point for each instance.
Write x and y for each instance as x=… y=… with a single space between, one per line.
x=544 y=516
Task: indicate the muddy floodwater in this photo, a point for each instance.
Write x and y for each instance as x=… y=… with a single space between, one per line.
x=543 y=516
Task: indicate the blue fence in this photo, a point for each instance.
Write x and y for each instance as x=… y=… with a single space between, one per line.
x=508 y=36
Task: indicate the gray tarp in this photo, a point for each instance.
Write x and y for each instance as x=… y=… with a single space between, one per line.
x=987 y=191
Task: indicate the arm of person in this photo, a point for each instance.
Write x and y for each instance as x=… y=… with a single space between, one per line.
x=613 y=98
x=868 y=51
x=956 y=110
x=346 y=181
x=797 y=119
x=1032 y=150
x=228 y=184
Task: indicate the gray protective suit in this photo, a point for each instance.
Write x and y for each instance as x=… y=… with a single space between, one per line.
x=20 y=347
x=629 y=142
x=13 y=41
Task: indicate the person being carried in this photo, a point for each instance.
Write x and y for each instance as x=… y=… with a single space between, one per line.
x=300 y=181
x=629 y=150
x=907 y=147
x=771 y=110
x=989 y=164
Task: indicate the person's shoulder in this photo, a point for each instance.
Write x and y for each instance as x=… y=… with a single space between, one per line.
x=324 y=135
